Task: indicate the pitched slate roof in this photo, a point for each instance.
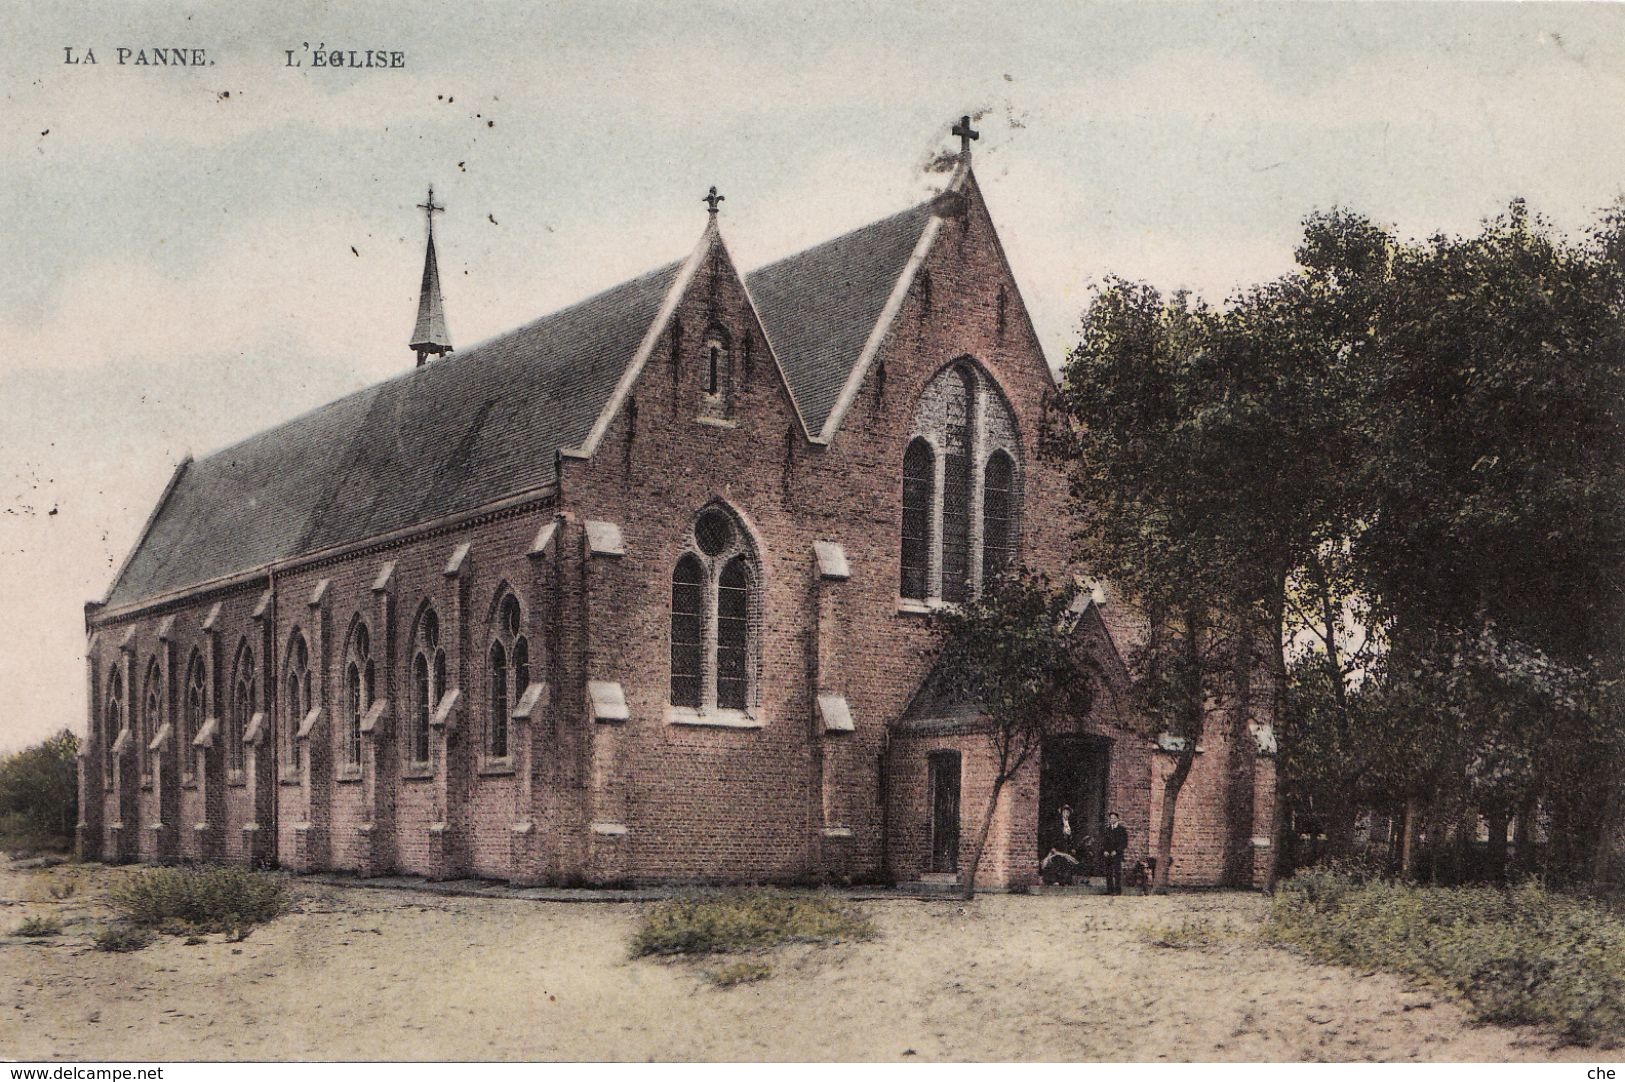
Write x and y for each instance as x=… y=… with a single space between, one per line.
x=477 y=426
x=453 y=435
x=820 y=305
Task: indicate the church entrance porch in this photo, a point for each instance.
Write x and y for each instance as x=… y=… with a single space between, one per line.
x=1072 y=804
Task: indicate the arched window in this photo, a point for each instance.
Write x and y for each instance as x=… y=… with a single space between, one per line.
x=956 y=487
x=151 y=719
x=961 y=516
x=998 y=498
x=297 y=703
x=687 y=631
x=112 y=722
x=919 y=482
x=358 y=691
x=712 y=618
x=242 y=706
x=197 y=705
x=428 y=683
x=509 y=672
x=716 y=372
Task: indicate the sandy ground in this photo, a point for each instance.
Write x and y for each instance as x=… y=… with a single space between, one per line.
x=370 y=974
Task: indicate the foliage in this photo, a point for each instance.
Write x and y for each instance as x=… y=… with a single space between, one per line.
x=1525 y=954
x=1011 y=653
x=39 y=927
x=39 y=794
x=740 y=920
x=217 y=899
x=1188 y=933
x=742 y=972
x=122 y=938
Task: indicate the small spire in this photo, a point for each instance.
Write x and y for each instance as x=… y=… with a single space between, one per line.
x=966 y=133
x=429 y=335
x=711 y=199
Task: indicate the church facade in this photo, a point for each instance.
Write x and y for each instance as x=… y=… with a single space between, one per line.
x=638 y=592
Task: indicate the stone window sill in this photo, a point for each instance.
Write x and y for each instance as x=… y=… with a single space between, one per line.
x=290 y=777
x=417 y=772
x=189 y=783
x=496 y=767
x=348 y=774
x=717 y=719
x=237 y=777
x=909 y=606
x=146 y=785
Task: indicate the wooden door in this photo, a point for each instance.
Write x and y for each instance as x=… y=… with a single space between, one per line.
x=944 y=773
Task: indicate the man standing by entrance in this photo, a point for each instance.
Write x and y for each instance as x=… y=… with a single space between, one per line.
x=1113 y=841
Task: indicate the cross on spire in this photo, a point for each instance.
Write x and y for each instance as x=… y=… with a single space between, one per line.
x=711 y=199
x=430 y=209
x=966 y=133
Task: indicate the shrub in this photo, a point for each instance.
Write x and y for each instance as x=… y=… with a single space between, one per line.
x=122 y=938
x=39 y=927
x=746 y=920
x=1525 y=955
x=1186 y=934
x=39 y=795
x=215 y=899
x=741 y=973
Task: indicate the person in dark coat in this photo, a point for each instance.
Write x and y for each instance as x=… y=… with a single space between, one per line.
x=1113 y=841
x=1061 y=862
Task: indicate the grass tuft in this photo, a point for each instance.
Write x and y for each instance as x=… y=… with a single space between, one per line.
x=743 y=920
x=1523 y=955
x=39 y=927
x=1185 y=935
x=743 y=972
x=122 y=938
x=213 y=899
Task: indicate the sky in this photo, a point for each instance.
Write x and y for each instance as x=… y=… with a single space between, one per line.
x=193 y=254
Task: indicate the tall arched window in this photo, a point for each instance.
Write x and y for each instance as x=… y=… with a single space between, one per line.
x=713 y=600
x=297 y=703
x=919 y=482
x=112 y=722
x=998 y=498
x=428 y=683
x=509 y=672
x=961 y=516
x=687 y=631
x=242 y=706
x=197 y=705
x=151 y=718
x=358 y=691
x=956 y=487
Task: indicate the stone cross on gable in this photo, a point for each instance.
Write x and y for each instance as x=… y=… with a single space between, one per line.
x=966 y=133
x=430 y=209
x=711 y=199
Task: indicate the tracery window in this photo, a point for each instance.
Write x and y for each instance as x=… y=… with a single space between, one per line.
x=242 y=706
x=713 y=618
x=151 y=719
x=297 y=703
x=193 y=716
x=508 y=673
x=961 y=521
x=428 y=683
x=112 y=722
x=358 y=691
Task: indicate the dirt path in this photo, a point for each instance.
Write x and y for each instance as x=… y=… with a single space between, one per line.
x=361 y=974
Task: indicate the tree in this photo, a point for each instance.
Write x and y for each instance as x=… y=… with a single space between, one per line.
x=1011 y=652
x=39 y=785
x=1151 y=414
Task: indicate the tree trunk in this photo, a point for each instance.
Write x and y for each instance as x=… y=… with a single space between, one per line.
x=1407 y=844
x=1498 y=820
x=967 y=889
x=1278 y=678
x=1171 y=786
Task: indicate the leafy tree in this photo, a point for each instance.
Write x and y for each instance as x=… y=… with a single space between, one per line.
x=39 y=786
x=1011 y=651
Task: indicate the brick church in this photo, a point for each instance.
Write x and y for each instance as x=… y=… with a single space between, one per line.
x=635 y=592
